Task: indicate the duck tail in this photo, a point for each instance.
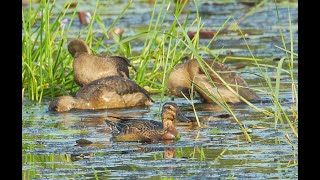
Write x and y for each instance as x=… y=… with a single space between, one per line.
x=150 y=102
x=127 y=61
x=113 y=127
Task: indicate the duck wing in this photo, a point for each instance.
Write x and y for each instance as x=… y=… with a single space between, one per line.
x=206 y=89
x=125 y=61
x=230 y=77
x=121 y=63
x=140 y=125
x=143 y=128
x=116 y=84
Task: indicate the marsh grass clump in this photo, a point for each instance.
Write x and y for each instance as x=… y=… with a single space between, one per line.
x=46 y=62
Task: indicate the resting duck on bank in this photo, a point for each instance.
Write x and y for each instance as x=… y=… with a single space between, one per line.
x=181 y=76
x=104 y=93
x=88 y=67
x=149 y=130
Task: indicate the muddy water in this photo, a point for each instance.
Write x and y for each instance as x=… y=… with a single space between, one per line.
x=51 y=146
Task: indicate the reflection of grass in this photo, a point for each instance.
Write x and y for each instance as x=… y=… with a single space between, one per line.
x=47 y=66
x=193 y=153
x=45 y=161
x=57 y=161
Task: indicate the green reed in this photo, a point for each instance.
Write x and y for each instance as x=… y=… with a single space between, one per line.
x=43 y=73
x=46 y=63
x=282 y=115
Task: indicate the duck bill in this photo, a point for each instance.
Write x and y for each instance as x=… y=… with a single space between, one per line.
x=182 y=118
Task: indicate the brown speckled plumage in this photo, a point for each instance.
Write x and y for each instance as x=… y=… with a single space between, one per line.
x=104 y=93
x=148 y=130
x=181 y=76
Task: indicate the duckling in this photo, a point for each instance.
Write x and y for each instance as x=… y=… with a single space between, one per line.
x=149 y=130
x=88 y=67
x=104 y=93
x=181 y=76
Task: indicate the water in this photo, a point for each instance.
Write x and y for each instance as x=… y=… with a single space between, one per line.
x=218 y=150
x=51 y=151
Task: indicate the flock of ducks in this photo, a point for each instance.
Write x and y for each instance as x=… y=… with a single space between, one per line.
x=105 y=84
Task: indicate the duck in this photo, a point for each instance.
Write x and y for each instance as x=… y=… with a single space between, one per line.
x=149 y=130
x=88 y=67
x=105 y=93
x=181 y=77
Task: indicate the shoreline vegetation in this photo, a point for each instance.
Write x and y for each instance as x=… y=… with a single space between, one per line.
x=47 y=65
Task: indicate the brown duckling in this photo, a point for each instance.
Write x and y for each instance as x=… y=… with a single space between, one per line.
x=104 y=93
x=88 y=67
x=149 y=130
x=181 y=76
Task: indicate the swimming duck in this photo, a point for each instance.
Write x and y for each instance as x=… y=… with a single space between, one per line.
x=104 y=93
x=181 y=76
x=88 y=67
x=149 y=130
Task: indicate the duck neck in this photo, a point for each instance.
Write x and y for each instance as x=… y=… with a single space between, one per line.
x=77 y=54
x=168 y=123
x=193 y=68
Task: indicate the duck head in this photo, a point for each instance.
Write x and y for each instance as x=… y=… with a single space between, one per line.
x=170 y=112
x=78 y=46
x=62 y=103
